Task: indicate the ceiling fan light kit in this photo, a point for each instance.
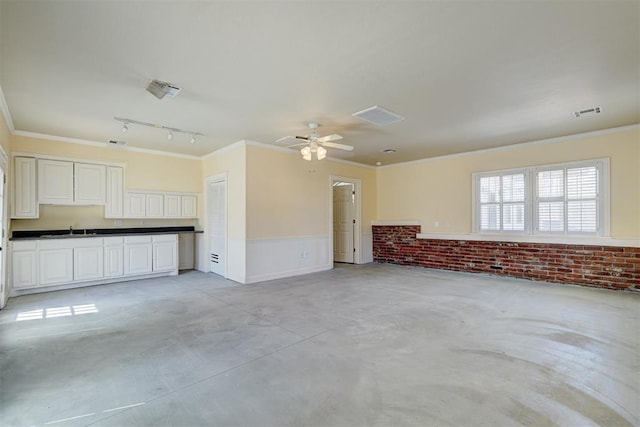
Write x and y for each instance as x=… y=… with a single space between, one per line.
x=314 y=143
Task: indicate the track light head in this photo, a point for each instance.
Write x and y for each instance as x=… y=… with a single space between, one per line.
x=125 y=128
x=193 y=139
x=170 y=135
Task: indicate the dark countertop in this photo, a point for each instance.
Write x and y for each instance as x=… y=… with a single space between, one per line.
x=98 y=232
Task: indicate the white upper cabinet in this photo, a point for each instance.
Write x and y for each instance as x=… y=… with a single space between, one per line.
x=155 y=205
x=189 y=206
x=114 y=206
x=68 y=183
x=55 y=182
x=135 y=205
x=25 y=201
x=89 y=184
x=172 y=205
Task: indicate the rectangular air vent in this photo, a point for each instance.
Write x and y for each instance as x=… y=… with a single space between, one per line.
x=378 y=116
x=594 y=110
x=160 y=89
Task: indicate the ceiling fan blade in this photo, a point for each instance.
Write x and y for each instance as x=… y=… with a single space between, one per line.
x=284 y=139
x=338 y=146
x=332 y=137
x=297 y=145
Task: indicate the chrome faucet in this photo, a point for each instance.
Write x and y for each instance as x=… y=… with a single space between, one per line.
x=70 y=229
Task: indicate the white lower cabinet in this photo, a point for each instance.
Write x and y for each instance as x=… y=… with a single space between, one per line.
x=55 y=264
x=113 y=256
x=50 y=262
x=88 y=260
x=165 y=252
x=24 y=264
x=138 y=255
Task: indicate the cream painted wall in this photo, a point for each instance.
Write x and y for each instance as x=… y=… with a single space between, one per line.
x=290 y=197
x=440 y=189
x=143 y=171
x=232 y=162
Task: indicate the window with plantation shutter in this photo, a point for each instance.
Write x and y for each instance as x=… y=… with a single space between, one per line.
x=569 y=198
x=502 y=202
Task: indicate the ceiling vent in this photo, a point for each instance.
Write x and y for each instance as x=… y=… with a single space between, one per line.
x=378 y=115
x=594 y=110
x=118 y=143
x=160 y=89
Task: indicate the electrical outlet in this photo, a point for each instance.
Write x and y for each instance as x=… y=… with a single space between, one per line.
x=117 y=222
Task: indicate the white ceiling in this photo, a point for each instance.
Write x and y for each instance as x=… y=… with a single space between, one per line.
x=466 y=75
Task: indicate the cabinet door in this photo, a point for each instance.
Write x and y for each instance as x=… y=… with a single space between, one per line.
x=55 y=182
x=114 y=197
x=171 y=205
x=25 y=203
x=155 y=205
x=165 y=256
x=89 y=186
x=138 y=258
x=189 y=206
x=113 y=261
x=56 y=266
x=24 y=269
x=135 y=205
x=88 y=263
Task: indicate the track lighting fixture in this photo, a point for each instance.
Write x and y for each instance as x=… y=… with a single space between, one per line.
x=170 y=130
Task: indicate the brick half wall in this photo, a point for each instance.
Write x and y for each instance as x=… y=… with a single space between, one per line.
x=607 y=267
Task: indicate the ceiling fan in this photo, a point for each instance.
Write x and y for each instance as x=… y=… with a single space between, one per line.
x=314 y=143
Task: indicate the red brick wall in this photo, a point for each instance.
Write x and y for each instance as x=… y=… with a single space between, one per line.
x=599 y=266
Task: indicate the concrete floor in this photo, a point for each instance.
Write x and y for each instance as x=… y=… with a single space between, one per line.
x=360 y=345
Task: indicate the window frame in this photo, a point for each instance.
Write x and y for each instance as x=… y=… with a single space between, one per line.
x=603 y=204
x=477 y=201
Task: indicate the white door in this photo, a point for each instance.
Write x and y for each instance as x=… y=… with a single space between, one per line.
x=343 y=222
x=217 y=226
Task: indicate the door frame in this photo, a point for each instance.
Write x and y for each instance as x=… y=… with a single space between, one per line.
x=357 y=210
x=4 y=240
x=207 y=232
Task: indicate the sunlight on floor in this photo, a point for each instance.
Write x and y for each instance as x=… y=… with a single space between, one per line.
x=49 y=313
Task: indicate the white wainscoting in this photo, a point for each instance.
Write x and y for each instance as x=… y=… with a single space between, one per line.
x=366 y=254
x=269 y=259
x=236 y=260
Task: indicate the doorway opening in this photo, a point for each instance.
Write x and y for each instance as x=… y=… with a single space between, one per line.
x=345 y=219
x=217 y=222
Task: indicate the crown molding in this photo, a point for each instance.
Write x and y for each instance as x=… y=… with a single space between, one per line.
x=556 y=140
x=5 y=112
x=102 y=144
